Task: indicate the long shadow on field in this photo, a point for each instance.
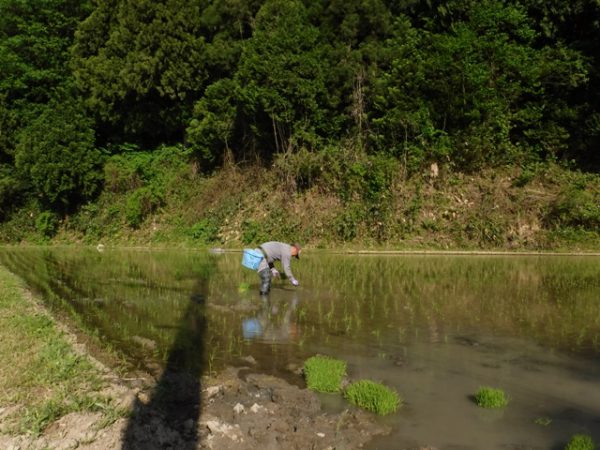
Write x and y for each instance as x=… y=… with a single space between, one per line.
x=170 y=418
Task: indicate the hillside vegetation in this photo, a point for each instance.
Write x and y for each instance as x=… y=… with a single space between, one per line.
x=362 y=123
x=162 y=201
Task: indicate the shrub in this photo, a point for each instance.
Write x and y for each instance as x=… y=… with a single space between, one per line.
x=132 y=169
x=46 y=223
x=324 y=374
x=140 y=203
x=580 y=442
x=488 y=397
x=253 y=232
x=373 y=397
x=205 y=231
x=577 y=208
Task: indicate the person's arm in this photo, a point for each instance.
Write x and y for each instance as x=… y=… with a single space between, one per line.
x=285 y=262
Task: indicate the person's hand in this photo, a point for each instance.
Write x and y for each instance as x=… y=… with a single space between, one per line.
x=294 y=282
x=274 y=272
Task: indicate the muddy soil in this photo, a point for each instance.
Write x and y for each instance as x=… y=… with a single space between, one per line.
x=236 y=409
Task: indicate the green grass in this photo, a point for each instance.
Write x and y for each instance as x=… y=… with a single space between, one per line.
x=40 y=372
x=488 y=397
x=374 y=397
x=580 y=442
x=324 y=374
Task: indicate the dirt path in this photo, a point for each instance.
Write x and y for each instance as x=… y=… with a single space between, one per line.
x=237 y=409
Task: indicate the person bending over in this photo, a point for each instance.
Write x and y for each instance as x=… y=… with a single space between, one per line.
x=276 y=251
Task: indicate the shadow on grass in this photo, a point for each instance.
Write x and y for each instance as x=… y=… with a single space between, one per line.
x=170 y=418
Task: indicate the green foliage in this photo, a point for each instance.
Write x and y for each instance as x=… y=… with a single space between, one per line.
x=350 y=98
x=46 y=363
x=355 y=175
x=300 y=170
x=131 y=168
x=373 y=397
x=210 y=130
x=146 y=177
x=580 y=442
x=324 y=374
x=346 y=224
x=57 y=155
x=34 y=49
x=141 y=203
x=401 y=116
x=576 y=207
x=475 y=90
x=253 y=232
x=281 y=76
x=205 y=231
x=141 y=64
x=12 y=188
x=46 y=223
x=488 y=397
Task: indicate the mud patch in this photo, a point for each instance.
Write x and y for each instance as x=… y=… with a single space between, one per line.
x=237 y=410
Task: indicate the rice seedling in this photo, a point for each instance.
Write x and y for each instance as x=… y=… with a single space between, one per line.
x=324 y=374
x=374 y=397
x=488 y=397
x=580 y=442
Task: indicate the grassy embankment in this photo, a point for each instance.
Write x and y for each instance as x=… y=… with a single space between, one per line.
x=42 y=377
x=327 y=200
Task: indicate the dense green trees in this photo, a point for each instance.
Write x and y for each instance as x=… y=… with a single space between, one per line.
x=460 y=82
x=138 y=63
x=34 y=69
x=56 y=154
x=484 y=93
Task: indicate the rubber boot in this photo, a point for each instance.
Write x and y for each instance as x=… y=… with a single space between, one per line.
x=265 y=281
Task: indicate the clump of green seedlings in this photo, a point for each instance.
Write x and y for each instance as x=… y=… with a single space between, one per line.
x=324 y=374
x=580 y=442
x=488 y=397
x=374 y=397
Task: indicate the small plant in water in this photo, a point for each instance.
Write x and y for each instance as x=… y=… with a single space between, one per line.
x=374 y=397
x=580 y=442
x=544 y=421
x=488 y=397
x=324 y=374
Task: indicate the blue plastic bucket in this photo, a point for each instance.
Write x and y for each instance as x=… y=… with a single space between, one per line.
x=252 y=258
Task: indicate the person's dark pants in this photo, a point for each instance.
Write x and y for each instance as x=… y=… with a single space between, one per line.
x=265 y=281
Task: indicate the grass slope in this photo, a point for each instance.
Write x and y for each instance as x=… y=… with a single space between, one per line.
x=41 y=375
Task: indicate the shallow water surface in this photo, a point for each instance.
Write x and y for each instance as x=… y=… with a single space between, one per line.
x=435 y=328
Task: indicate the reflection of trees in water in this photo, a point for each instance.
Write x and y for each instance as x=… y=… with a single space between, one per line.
x=552 y=299
x=174 y=403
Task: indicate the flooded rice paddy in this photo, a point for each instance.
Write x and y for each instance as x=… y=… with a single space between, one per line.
x=435 y=328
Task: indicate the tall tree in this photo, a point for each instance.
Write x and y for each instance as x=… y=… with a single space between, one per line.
x=35 y=37
x=141 y=65
x=484 y=84
x=57 y=155
x=281 y=77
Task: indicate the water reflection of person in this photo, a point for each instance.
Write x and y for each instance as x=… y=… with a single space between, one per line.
x=269 y=324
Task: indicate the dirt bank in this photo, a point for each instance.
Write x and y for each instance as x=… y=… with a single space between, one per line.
x=236 y=409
